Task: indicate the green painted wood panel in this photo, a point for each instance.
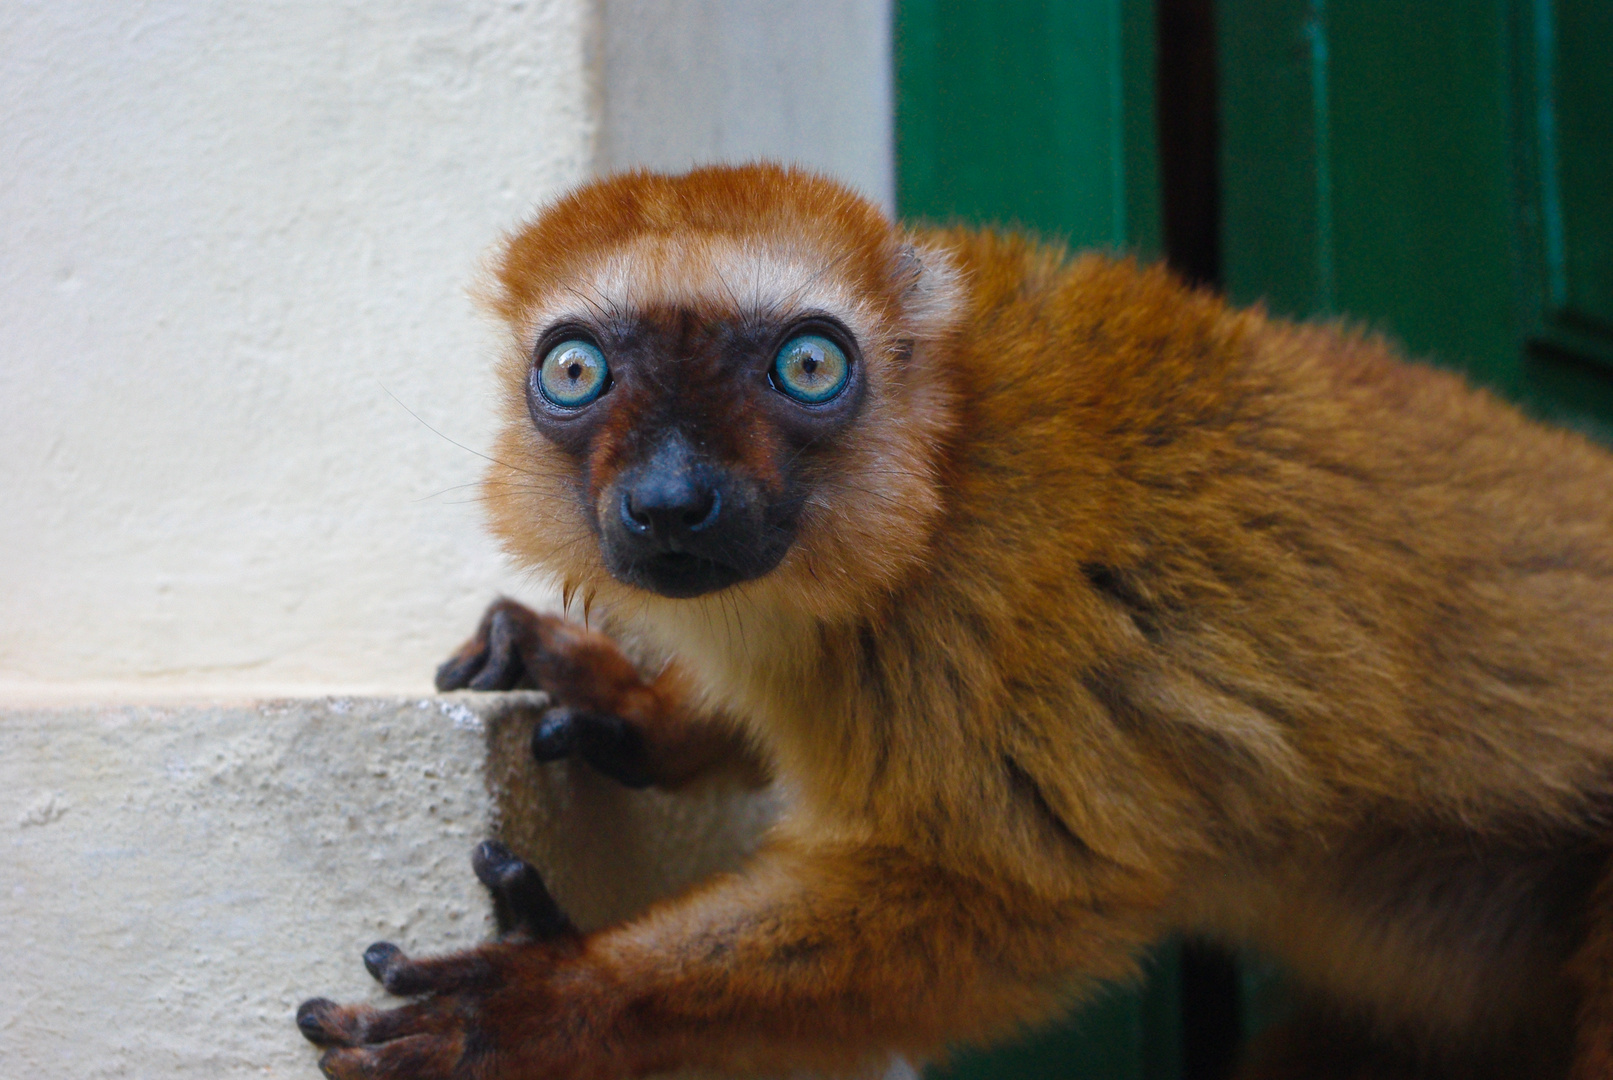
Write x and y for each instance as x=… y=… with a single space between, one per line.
x=1439 y=171
x=1583 y=92
x=1365 y=164
x=1039 y=114
x=1276 y=245
x=1030 y=113
x=1563 y=87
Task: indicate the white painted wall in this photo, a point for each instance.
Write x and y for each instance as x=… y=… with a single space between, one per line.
x=229 y=233
x=234 y=246
x=686 y=81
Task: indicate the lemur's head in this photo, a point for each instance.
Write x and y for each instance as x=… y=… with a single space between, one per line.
x=721 y=381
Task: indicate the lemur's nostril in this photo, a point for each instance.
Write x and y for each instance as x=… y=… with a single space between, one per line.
x=633 y=517
x=705 y=512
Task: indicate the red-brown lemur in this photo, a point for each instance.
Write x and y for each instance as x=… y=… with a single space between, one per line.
x=1070 y=608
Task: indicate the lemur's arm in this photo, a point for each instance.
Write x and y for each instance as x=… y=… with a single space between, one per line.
x=818 y=956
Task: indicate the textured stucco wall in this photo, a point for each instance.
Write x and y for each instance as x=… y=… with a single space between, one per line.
x=174 y=880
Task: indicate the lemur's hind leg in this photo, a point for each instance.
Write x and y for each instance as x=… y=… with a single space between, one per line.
x=636 y=731
x=1314 y=1043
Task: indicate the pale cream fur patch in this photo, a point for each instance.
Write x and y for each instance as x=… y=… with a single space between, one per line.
x=745 y=276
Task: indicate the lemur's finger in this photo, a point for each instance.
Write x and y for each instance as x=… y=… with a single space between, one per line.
x=456 y=672
x=610 y=744
x=503 y=667
x=325 y=1023
x=521 y=901
x=440 y=974
x=322 y=1023
x=616 y=748
x=555 y=735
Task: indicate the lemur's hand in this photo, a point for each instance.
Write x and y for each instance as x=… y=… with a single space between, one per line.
x=600 y=703
x=636 y=732
x=517 y=647
x=522 y=1005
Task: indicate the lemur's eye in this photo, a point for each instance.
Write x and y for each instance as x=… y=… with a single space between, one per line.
x=573 y=374
x=811 y=369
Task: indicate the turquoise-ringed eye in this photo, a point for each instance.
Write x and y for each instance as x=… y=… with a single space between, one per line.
x=573 y=374
x=811 y=369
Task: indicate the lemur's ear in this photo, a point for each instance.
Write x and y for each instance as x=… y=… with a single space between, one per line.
x=909 y=267
x=931 y=287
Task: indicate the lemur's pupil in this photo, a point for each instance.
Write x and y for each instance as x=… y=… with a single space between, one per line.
x=574 y=370
x=810 y=364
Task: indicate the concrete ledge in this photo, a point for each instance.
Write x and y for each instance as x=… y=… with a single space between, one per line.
x=177 y=879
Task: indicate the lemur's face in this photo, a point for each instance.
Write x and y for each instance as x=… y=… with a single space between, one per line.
x=717 y=384
x=697 y=434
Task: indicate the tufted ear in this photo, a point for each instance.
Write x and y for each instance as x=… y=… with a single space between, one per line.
x=931 y=287
x=909 y=267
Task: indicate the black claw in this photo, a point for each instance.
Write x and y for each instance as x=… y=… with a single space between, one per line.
x=521 y=901
x=311 y=1020
x=381 y=958
x=555 y=737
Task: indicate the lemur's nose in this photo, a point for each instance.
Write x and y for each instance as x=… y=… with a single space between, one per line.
x=671 y=496
x=666 y=509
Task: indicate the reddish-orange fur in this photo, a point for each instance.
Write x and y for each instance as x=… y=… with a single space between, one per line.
x=1160 y=616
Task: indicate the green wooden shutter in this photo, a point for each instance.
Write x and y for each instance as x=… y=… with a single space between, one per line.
x=1443 y=171
x=1562 y=105
x=1039 y=114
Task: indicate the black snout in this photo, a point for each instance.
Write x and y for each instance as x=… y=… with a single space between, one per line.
x=679 y=524
x=669 y=506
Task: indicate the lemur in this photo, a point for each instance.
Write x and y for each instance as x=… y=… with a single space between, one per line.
x=1069 y=607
